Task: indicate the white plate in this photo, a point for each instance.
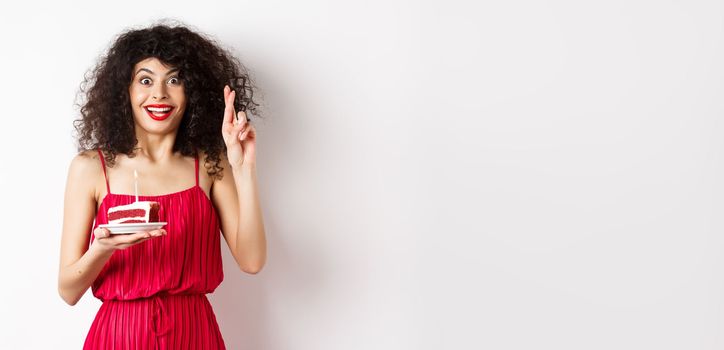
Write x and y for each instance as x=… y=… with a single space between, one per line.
x=133 y=227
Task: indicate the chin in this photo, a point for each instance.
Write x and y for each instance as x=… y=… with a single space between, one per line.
x=157 y=128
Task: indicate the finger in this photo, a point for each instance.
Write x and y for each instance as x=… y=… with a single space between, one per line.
x=227 y=91
x=229 y=96
x=140 y=241
x=134 y=237
x=229 y=109
x=241 y=118
x=240 y=128
x=157 y=233
x=237 y=129
x=243 y=135
x=101 y=232
x=128 y=244
x=232 y=97
x=231 y=133
x=247 y=132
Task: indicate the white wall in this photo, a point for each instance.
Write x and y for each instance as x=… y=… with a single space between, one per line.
x=434 y=175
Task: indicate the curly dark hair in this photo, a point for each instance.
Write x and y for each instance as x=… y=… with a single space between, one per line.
x=106 y=120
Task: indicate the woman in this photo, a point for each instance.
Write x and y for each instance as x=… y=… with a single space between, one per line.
x=161 y=102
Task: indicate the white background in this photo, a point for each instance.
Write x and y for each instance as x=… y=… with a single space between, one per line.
x=434 y=175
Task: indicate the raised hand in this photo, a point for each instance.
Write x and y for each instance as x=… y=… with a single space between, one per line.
x=239 y=135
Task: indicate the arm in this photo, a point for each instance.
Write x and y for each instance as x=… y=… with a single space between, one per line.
x=80 y=265
x=236 y=198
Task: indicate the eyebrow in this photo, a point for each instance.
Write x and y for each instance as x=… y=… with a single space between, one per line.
x=151 y=72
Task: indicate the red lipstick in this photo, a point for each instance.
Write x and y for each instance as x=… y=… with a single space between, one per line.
x=159 y=112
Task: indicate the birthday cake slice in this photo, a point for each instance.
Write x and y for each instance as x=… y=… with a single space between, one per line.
x=136 y=212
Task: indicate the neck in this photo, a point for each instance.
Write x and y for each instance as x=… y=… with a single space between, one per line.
x=155 y=146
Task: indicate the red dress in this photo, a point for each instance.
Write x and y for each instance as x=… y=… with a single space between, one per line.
x=154 y=293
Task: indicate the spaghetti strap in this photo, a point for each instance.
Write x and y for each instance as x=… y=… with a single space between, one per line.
x=196 y=161
x=105 y=176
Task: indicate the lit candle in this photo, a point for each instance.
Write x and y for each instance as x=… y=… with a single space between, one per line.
x=135 y=181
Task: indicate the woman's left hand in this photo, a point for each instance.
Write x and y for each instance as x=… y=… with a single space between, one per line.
x=239 y=136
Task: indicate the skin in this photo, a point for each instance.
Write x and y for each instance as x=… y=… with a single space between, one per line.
x=234 y=197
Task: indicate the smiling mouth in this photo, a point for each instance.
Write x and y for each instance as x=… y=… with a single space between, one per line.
x=159 y=112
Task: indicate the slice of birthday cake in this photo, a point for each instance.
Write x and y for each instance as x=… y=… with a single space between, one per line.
x=136 y=212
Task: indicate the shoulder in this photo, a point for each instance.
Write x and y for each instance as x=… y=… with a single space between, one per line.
x=84 y=170
x=85 y=162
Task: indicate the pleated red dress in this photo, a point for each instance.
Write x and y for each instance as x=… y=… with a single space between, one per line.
x=154 y=293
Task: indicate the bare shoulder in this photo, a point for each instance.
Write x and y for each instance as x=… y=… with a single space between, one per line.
x=85 y=169
x=86 y=162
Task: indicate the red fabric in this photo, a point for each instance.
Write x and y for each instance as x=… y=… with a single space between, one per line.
x=153 y=293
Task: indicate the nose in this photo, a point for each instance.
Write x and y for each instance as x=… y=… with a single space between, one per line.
x=159 y=92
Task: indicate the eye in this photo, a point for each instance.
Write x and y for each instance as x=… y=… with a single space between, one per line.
x=145 y=81
x=175 y=81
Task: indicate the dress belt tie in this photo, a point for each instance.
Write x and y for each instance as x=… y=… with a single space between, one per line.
x=159 y=316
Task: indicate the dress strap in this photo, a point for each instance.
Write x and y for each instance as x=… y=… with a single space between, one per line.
x=103 y=164
x=196 y=161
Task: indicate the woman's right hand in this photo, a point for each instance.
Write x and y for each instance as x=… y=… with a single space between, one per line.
x=110 y=242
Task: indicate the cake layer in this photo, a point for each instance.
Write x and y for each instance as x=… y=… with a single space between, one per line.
x=137 y=212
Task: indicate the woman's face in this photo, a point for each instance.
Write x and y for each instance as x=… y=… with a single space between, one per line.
x=157 y=96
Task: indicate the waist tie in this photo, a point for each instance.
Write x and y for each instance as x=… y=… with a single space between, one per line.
x=159 y=316
x=163 y=309
x=159 y=322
